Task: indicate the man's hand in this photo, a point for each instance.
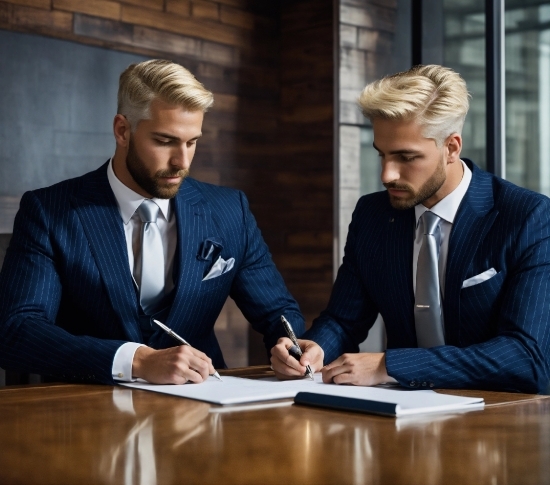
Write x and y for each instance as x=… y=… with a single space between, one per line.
x=287 y=367
x=364 y=369
x=175 y=365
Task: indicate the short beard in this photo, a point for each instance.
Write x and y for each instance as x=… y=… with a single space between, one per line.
x=152 y=183
x=430 y=187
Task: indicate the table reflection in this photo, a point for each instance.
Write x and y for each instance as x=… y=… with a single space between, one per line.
x=133 y=460
x=99 y=434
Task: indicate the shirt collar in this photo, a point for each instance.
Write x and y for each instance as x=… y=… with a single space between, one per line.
x=447 y=207
x=128 y=200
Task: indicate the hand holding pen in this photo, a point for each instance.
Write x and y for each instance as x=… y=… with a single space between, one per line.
x=174 y=365
x=173 y=334
x=295 y=349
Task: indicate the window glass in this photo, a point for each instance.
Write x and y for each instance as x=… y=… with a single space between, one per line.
x=527 y=94
x=464 y=51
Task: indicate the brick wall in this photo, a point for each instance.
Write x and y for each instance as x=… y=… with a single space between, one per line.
x=270 y=133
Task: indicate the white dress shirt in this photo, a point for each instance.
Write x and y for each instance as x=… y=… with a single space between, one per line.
x=446 y=209
x=128 y=201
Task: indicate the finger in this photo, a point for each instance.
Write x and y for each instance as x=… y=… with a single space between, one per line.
x=280 y=367
x=179 y=379
x=344 y=378
x=193 y=355
x=199 y=369
x=187 y=349
x=283 y=371
x=335 y=363
x=205 y=363
x=329 y=373
x=313 y=355
x=280 y=353
x=285 y=342
x=280 y=350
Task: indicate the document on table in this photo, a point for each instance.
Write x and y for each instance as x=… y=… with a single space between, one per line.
x=237 y=390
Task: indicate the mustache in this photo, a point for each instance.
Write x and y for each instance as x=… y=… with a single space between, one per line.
x=170 y=173
x=396 y=186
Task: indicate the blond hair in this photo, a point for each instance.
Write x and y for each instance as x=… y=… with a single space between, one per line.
x=140 y=83
x=434 y=96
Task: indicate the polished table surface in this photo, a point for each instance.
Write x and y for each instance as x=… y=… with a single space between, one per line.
x=85 y=434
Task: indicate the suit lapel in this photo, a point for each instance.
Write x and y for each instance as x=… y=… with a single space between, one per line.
x=194 y=224
x=98 y=212
x=473 y=221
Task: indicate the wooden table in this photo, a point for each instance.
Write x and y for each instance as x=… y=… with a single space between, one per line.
x=83 y=434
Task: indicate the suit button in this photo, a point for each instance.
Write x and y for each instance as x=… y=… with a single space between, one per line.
x=424 y=384
x=413 y=384
x=431 y=384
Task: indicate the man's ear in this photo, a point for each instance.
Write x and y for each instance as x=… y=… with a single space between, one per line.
x=121 y=130
x=453 y=147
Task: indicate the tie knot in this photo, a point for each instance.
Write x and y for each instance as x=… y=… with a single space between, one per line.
x=431 y=221
x=148 y=211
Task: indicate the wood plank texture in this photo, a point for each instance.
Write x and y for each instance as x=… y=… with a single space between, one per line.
x=99 y=8
x=53 y=20
x=180 y=25
x=152 y=4
x=239 y=18
x=203 y=9
x=179 y=7
x=44 y=4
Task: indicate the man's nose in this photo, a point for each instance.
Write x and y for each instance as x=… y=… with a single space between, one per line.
x=181 y=158
x=390 y=172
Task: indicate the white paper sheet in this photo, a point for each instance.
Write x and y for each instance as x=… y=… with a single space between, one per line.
x=236 y=390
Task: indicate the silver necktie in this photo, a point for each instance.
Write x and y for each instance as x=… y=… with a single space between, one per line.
x=152 y=257
x=427 y=309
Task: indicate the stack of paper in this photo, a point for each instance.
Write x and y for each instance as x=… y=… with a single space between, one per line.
x=379 y=400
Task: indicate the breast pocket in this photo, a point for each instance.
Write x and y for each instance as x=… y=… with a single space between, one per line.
x=218 y=282
x=478 y=305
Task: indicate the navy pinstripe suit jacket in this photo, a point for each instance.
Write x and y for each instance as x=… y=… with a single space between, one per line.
x=497 y=333
x=67 y=297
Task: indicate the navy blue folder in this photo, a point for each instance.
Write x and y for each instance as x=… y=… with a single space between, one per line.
x=345 y=403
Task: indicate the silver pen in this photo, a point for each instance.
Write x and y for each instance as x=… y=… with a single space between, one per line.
x=169 y=331
x=296 y=347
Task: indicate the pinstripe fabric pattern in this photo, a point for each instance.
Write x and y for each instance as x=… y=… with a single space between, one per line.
x=497 y=332
x=67 y=296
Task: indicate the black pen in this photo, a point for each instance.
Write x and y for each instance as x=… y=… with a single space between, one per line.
x=296 y=349
x=169 y=331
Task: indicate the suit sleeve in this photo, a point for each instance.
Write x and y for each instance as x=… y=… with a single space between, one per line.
x=350 y=313
x=31 y=293
x=259 y=290
x=517 y=358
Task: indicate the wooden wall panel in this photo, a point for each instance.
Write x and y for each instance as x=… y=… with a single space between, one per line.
x=270 y=131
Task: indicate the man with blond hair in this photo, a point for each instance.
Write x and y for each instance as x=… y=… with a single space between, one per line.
x=456 y=260
x=93 y=261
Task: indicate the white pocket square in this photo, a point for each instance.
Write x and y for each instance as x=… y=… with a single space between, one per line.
x=221 y=266
x=480 y=278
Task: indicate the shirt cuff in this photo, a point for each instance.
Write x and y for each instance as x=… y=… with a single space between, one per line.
x=122 y=363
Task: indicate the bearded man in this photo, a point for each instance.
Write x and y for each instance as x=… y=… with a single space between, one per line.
x=456 y=260
x=94 y=260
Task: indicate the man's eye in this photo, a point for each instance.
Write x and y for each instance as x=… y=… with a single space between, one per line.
x=162 y=142
x=409 y=158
